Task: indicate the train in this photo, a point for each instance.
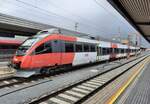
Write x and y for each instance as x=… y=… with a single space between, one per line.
x=8 y=47
x=50 y=49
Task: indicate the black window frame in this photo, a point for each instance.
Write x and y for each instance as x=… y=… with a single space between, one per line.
x=44 y=45
x=78 y=44
x=87 y=48
x=68 y=49
x=92 y=48
x=104 y=50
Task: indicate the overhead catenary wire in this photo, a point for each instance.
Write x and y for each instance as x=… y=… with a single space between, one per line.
x=49 y=12
x=73 y=21
x=69 y=12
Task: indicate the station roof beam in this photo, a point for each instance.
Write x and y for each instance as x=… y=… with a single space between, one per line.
x=18 y=26
x=136 y=12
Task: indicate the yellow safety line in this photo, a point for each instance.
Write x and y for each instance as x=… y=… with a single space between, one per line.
x=114 y=97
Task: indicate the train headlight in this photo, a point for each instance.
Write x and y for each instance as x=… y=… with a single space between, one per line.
x=15 y=59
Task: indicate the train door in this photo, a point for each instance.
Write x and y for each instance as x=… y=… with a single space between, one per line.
x=57 y=49
x=68 y=54
x=78 y=58
x=113 y=54
x=98 y=53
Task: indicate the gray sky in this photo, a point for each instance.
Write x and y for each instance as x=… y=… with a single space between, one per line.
x=95 y=17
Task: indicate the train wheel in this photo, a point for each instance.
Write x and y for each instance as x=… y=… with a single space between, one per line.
x=43 y=71
x=51 y=71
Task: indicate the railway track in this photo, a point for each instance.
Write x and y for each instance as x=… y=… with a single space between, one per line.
x=23 y=84
x=79 y=92
x=14 y=81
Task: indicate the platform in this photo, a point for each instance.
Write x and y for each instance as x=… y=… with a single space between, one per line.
x=139 y=91
x=5 y=71
x=52 y=84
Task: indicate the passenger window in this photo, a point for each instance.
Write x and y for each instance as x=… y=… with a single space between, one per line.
x=78 y=48
x=86 y=48
x=44 y=48
x=122 y=50
x=69 y=47
x=115 y=50
x=47 y=47
x=104 y=51
x=92 y=48
x=108 y=50
x=39 y=49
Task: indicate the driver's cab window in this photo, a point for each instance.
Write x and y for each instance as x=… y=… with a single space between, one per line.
x=44 y=48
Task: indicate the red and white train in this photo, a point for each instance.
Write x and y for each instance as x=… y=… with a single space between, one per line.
x=50 y=49
x=8 y=47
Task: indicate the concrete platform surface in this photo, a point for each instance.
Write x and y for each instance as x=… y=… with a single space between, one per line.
x=5 y=71
x=139 y=91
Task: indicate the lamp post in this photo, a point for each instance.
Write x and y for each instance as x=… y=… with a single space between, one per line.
x=76 y=26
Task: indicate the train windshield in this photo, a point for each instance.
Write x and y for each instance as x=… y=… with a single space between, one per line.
x=26 y=45
x=45 y=33
x=29 y=42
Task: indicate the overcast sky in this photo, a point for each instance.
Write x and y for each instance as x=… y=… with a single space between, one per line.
x=95 y=17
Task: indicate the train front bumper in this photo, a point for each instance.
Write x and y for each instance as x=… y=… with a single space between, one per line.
x=24 y=74
x=21 y=72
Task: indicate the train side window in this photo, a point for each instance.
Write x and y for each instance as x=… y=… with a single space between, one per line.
x=69 y=47
x=78 y=48
x=47 y=47
x=104 y=51
x=86 y=48
x=122 y=50
x=118 y=50
x=39 y=49
x=92 y=48
x=115 y=50
x=44 y=48
x=108 y=50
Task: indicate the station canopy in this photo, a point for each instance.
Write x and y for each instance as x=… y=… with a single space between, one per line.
x=136 y=12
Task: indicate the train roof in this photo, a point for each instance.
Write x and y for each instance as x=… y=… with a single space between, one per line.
x=105 y=44
x=81 y=37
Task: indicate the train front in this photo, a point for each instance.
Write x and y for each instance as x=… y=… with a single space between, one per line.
x=22 y=58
